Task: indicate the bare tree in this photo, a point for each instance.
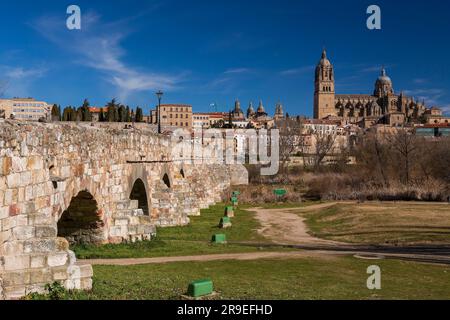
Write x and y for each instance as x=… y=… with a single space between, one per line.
x=405 y=144
x=373 y=157
x=290 y=141
x=324 y=144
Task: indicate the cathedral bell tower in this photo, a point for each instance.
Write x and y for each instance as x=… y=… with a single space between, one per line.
x=324 y=94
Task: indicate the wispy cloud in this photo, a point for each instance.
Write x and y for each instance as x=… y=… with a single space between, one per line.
x=297 y=71
x=20 y=73
x=98 y=46
x=446 y=109
x=230 y=80
x=16 y=80
x=371 y=69
x=237 y=71
x=420 y=81
x=432 y=96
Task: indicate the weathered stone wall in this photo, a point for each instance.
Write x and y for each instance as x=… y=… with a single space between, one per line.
x=44 y=167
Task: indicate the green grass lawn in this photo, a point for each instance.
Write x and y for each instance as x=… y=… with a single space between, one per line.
x=302 y=278
x=193 y=239
x=399 y=223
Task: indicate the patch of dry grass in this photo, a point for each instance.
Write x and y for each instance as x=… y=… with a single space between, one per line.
x=382 y=223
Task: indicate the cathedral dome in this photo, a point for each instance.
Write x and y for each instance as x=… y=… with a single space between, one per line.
x=383 y=78
x=383 y=85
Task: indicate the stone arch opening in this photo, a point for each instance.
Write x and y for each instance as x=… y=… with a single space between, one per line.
x=182 y=173
x=139 y=193
x=81 y=222
x=166 y=180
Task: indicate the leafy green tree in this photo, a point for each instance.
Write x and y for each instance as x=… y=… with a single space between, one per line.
x=56 y=113
x=84 y=114
x=128 y=116
x=112 y=114
x=139 y=115
x=69 y=114
x=122 y=113
x=101 y=116
x=77 y=114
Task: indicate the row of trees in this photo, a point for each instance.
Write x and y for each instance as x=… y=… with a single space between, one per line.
x=112 y=112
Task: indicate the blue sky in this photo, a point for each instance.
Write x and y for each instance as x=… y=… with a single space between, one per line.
x=199 y=52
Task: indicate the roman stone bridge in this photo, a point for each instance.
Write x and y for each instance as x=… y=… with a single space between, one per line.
x=62 y=184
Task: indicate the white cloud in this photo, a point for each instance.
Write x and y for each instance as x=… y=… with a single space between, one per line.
x=98 y=46
x=237 y=71
x=296 y=71
x=16 y=80
x=431 y=96
x=432 y=91
x=19 y=73
x=446 y=109
x=420 y=81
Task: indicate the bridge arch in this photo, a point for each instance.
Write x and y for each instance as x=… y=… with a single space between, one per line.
x=81 y=222
x=139 y=193
x=139 y=188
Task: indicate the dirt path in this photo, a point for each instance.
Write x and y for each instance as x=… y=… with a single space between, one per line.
x=210 y=257
x=283 y=226
x=328 y=254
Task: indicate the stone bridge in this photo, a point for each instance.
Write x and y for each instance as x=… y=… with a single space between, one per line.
x=62 y=184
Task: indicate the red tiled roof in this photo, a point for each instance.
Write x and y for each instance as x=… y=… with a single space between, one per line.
x=97 y=109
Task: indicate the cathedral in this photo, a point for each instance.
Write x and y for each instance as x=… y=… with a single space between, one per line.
x=382 y=107
x=258 y=119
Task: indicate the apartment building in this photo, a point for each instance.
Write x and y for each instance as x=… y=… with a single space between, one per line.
x=27 y=109
x=174 y=115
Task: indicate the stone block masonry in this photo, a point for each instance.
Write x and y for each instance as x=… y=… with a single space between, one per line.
x=80 y=183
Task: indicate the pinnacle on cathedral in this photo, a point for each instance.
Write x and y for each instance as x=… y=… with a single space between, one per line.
x=237 y=106
x=250 y=110
x=261 y=107
x=324 y=60
x=279 y=109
